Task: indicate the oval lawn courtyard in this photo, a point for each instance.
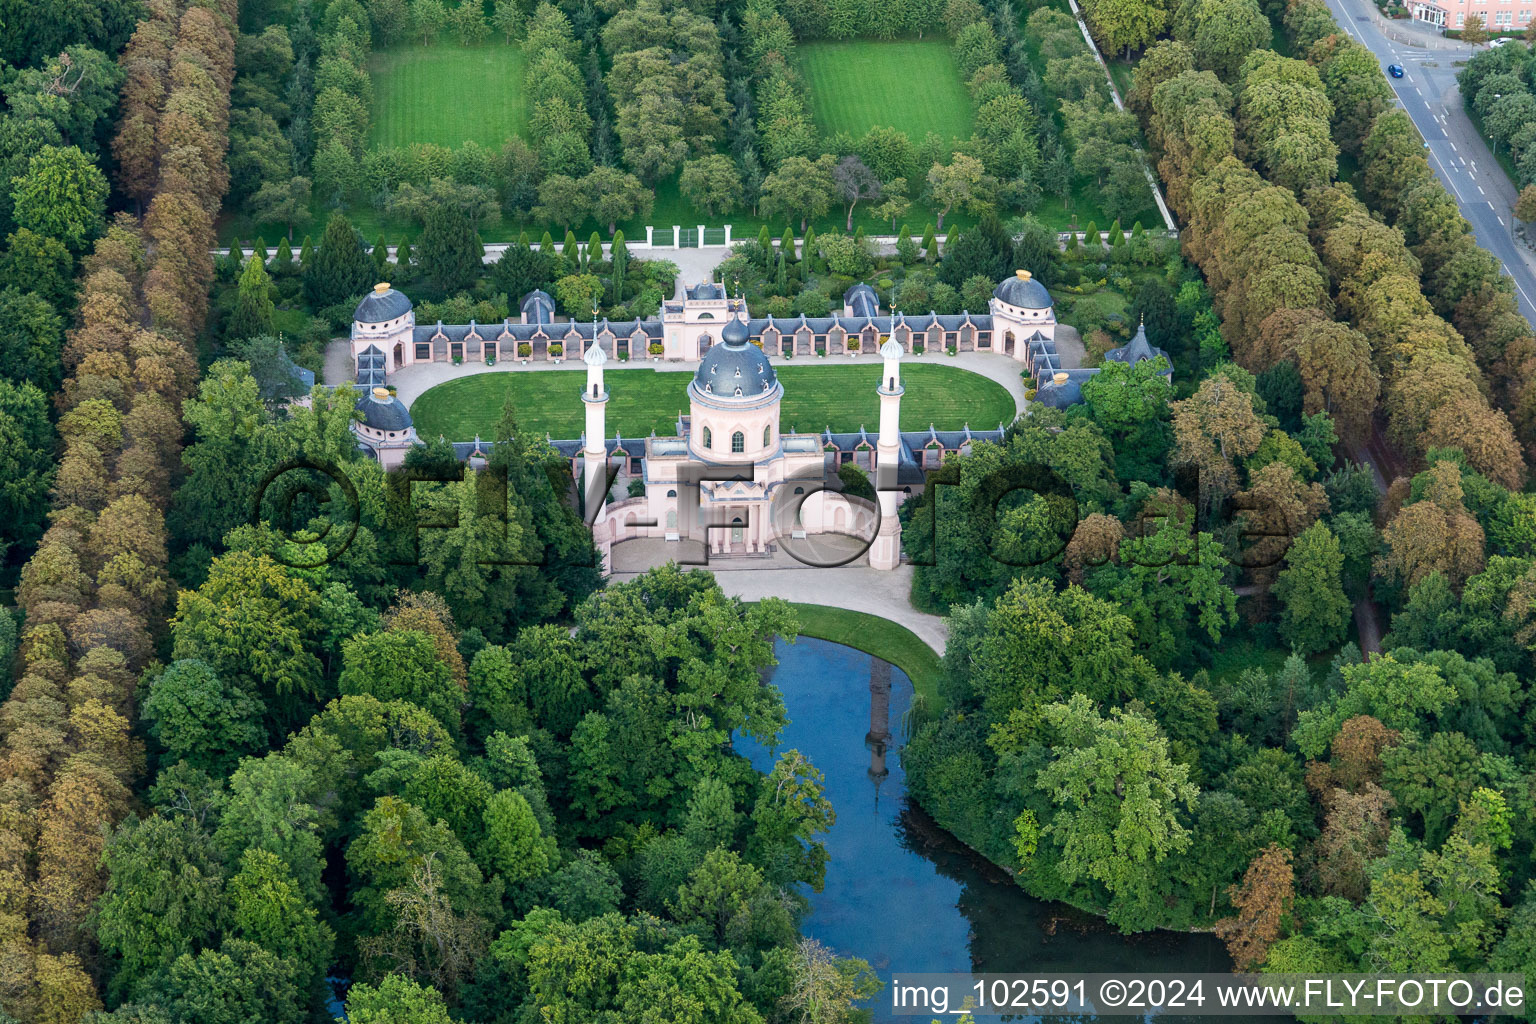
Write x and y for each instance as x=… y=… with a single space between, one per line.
x=642 y=400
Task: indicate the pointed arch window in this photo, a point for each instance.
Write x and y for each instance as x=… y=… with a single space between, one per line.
x=738 y=442
x=709 y=439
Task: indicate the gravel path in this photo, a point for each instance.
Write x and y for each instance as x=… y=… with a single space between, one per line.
x=856 y=587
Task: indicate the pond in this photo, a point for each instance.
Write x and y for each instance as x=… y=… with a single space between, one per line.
x=901 y=892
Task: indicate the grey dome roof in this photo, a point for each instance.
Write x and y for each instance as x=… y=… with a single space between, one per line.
x=383 y=411
x=734 y=364
x=1059 y=396
x=381 y=305
x=1024 y=291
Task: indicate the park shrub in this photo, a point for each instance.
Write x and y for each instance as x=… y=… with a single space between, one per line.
x=814 y=302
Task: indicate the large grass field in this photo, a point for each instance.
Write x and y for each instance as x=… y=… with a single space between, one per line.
x=911 y=85
x=448 y=94
x=642 y=400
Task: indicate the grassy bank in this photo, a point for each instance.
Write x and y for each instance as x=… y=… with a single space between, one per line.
x=881 y=637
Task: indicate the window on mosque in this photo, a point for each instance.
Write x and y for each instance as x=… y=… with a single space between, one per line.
x=709 y=439
x=423 y=351
x=767 y=434
x=738 y=442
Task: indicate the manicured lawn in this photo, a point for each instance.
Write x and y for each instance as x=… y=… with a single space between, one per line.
x=911 y=85
x=448 y=94
x=815 y=397
x=881 y=637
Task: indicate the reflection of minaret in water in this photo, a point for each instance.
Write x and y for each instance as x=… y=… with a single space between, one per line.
x=879 y=735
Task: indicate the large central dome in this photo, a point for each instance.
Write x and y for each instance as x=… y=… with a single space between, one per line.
x=735 y=370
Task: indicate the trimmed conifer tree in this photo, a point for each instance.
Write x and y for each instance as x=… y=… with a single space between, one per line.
x=252 y=315
x=449 y=250
x=340 y=268
x=620 y=265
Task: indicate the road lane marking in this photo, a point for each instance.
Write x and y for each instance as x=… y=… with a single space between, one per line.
x=1480 y=191
x=1453 y=147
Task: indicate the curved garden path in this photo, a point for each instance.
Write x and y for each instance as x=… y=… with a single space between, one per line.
x=856 y=587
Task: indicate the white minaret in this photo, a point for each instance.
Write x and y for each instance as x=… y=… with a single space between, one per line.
x=885 y=553
x=595 y=454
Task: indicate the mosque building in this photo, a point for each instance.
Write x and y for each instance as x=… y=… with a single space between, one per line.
x=730 y=477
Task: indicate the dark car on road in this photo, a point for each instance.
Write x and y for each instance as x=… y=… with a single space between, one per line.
x=1395 y=70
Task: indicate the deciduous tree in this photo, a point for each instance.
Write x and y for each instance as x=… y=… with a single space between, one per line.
x=799 y=188
x=961 y=182
x=1262 y=902
x=61 y=195
x=1315 y=610
x=711 y=184
x=1118 y=796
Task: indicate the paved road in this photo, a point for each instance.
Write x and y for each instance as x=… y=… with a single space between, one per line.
x=1460 y=156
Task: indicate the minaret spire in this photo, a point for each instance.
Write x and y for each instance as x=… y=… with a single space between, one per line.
x=595 y=449
x=885 y=552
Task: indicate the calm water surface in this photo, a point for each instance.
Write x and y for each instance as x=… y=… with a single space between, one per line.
x=902 y=893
